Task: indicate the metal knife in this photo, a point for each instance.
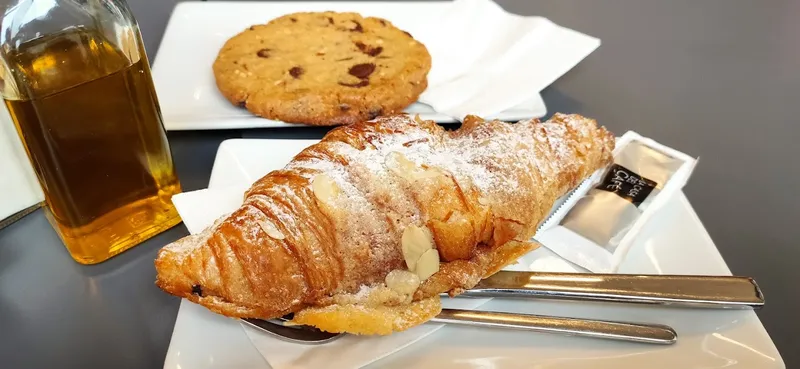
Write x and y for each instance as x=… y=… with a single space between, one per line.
x=720 y=292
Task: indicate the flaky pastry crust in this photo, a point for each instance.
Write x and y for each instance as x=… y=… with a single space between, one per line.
x=319 y=236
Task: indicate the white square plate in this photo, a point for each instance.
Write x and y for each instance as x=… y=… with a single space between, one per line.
x=197 y=30
x=674 y=242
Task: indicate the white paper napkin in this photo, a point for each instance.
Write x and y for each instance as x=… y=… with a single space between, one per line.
x=19 y=187
x=200 y=208
x=486 y=60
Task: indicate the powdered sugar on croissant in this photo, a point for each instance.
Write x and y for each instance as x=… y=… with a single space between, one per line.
x=332 y=222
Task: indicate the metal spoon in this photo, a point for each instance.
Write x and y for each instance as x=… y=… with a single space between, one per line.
x=621 y=331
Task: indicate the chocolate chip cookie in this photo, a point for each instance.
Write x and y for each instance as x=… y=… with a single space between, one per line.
x=322 y=68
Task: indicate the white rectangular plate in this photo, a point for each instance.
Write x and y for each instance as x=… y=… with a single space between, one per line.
x=197 y=30
x=674 y=242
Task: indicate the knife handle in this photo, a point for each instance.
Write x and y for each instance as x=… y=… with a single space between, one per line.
x=621 y=331
x=720 y=292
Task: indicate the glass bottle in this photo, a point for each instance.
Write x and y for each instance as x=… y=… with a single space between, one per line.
x=76 y=81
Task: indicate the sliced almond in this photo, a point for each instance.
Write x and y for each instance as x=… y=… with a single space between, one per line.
x=414 y=242
x=402 y=281
x=428 y=264
x=400 y=165
x=325 y=189
x=457 y=237
x=271 y=229
x=426 y=173
x=407 y=169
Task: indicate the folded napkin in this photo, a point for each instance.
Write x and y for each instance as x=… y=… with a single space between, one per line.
x=200 y=208
x=486 y=60
x=19 y=188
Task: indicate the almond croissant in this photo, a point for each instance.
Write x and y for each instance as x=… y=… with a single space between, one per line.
x=362 y=231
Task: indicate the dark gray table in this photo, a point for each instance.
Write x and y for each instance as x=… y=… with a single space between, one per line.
x=718 y=79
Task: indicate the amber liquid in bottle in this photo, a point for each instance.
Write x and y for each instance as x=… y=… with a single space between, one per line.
x=92 y=127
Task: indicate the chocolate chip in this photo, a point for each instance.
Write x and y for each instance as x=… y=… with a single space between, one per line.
x=263 y=53
x=408 y=34
x=197 y=290
x=294 y=20
x=383 y=22
x=362 y=83
x=296 y=72
x=344 y=107
x=375 y=112
x=357 y=28
x=362 y=70
x=242 y=104
x=369 y=50
x=252 y=28
x=330 y=20
x=236 y=62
